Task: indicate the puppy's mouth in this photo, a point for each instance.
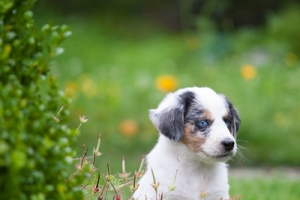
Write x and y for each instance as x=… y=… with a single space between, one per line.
x=225 y=155
x=220 y=155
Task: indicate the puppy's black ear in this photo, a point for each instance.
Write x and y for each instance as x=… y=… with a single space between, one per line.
x=168 y=118
x=169 y=122
x=236 y=118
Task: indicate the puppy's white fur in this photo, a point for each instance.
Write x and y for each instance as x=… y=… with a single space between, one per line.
x=195 y=153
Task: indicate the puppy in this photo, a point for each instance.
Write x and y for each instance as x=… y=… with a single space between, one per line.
x=197 y=129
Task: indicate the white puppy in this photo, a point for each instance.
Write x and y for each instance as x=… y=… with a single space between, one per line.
x=197 y=129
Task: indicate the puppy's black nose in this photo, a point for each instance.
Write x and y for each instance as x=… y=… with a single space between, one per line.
x=228 y=144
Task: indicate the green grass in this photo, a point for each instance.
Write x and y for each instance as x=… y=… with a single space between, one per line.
x=272 y=188
x=112 y=64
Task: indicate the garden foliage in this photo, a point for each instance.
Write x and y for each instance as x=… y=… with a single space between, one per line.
x=34 y=144
x=118 y=73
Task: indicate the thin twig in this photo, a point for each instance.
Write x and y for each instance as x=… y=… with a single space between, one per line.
x=84 y=155
x=116 y=193
x=103 y=187
x=87 y=157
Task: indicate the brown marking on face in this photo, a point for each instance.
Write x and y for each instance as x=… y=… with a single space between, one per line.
x=191 y=139
x=226 y=115
x=207 y=114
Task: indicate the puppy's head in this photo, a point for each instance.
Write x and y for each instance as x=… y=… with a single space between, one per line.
x=206 y=122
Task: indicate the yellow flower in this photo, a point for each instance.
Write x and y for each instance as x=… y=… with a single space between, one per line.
x=70 y=89
x=88 y=86
x=248 y=72
x=128 y=127
x=281 y=119
x=291 y=59
x=166 y=83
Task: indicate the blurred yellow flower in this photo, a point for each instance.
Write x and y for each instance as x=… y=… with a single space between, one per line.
x=291 y=59
x=88 y=86
x=166 y=83
x=281 y=119
x=70 y=89
x=128 y=127
x=248 y=72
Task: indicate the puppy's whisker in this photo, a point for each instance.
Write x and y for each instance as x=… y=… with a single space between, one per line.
x=241 y=141
x=240 y=147
x=239 y=155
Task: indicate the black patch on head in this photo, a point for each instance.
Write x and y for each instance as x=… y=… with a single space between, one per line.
x=234 y=116
x=193 y=115
x=187 y=99
x=170 y=122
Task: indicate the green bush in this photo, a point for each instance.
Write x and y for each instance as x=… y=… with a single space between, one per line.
x=284 y=27
x=34 y=144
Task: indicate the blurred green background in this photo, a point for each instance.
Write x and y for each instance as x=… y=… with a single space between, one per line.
x=124 y=56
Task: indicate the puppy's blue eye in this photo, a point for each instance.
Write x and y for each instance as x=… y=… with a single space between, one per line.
x=203 y=123
x=228 y=123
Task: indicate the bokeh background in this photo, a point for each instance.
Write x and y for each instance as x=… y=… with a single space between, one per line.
x=124 y=56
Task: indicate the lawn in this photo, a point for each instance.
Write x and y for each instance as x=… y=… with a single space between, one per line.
x=275 y=188
x=112 y=69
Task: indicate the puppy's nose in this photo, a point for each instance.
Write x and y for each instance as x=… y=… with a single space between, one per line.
x=228 y=144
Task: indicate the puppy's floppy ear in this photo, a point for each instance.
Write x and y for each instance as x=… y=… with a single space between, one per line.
x=169 y=122
x=169 y=118
x=236 y=118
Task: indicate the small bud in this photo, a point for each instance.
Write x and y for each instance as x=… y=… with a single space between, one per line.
x=85 y=162
x=95 y=189
x=83 y=119
x=203 y=194
x=142 y=164
x=97 y=153
x=124 y=175
x=110 y=178
x=123 y=165
x=78 y=166
x=56 y=119
x=99 y=141
x=172 y=187
x=137 y=174
x=155 y=185
x=117 y=197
